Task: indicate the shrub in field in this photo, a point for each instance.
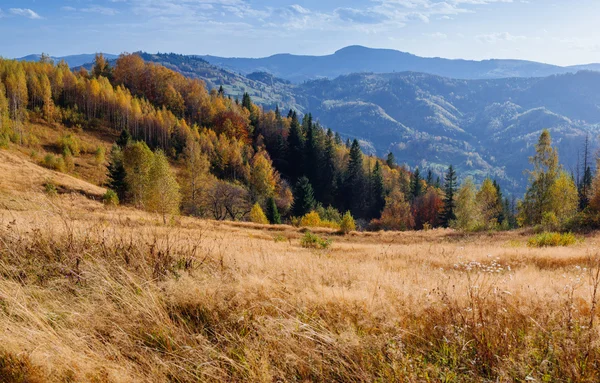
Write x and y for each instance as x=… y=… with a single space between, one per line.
x=110 y=198
x=313 y=219
x=71 y=143
x=257 y=215
x=552 y=240
x=50 y=188
x=313 y=241
x=347 y=225
x=53 y=162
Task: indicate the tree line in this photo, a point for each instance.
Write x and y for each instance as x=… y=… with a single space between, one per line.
x=229 y=157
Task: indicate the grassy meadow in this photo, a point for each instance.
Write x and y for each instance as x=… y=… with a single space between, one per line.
x=90 y=293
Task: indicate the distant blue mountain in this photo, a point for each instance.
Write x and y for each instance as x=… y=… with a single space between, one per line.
x=358 y=59
x=73 y=60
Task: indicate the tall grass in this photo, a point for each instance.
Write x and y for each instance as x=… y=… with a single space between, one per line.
x=116 y=296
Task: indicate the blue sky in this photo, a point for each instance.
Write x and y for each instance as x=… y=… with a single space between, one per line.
x=554 y=31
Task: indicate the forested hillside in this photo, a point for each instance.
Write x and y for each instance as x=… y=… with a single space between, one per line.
x=485 y=127
x=231 y=154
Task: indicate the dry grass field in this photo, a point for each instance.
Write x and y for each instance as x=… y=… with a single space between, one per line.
x=96 y=294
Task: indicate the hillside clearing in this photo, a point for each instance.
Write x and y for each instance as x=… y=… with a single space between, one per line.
x=90 y=293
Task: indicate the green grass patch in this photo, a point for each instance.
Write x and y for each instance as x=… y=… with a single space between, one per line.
x=313 y=241
x=552 y=240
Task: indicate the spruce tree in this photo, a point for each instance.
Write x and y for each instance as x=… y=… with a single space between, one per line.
x=391 y=160
x=117 y=174
x=295 y=150
x=416 y=187
x=377 y=192
x=448 y=214
x=124 y=139
x=272 y=212
x=354 y=190
x=304 y=199
x=328 y=172
x=247 y=101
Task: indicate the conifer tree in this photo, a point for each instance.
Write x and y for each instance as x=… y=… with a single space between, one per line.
x=448 y=215
x=124 y=139
x=116 y=173
x=295 y=150
x=391 y=160
x=354 y=183
x=272 y=212
x=377 y=192
x=304 y=199
x=416 y=187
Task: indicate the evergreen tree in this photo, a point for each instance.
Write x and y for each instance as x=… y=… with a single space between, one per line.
x=304 y=199
x=448 y=214
x=116 y=173
x=312 y=158
x=354 y=182
x=328 y=171
x=124 y=139
x=377 y=192
x=429 y=179
x=416 y=187
x=295 y=150
x=391 y=160
x=221 y=92
x=502 y=213
x=247 y=101
x=272 y=212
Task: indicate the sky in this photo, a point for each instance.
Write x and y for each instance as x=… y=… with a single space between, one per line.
x=552 y=31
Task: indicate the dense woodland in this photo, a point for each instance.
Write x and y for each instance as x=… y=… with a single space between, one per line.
x=183 y=148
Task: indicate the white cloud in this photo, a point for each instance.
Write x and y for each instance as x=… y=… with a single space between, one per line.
x=25 y=12
x=100 y=10
x=493 y=38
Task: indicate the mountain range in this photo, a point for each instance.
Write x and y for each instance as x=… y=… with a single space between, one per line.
x=484 y=126
x=73 y=60
x=356 y=59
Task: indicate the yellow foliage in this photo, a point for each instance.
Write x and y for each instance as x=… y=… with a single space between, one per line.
x=257 y=215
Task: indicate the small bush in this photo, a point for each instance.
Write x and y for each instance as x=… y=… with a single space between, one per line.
x=50 y=161
x=347 y=225
x=110 y=198
x=313 y=219
x=50 y=188
x=552 y=240
x=257 y=215
x=313 y=241
x=279 y=238
x=69 y=142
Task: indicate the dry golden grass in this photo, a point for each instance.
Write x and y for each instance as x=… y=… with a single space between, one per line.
x=89 y=293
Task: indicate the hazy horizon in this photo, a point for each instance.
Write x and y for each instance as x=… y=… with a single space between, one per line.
x=552 y=32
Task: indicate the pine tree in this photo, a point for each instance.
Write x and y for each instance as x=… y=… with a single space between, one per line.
x=312 y=157
x=377 y=192
x=247 y=101
x=391 y=160
x=116 y=173
x=304 y=199
x=124 y=139
x=295 y=151
x=354 y=183
x=272 y=212
x=448 y=215
x=416 y=187
x=328 y=171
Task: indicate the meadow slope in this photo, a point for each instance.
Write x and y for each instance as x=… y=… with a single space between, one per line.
x=98 y=294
